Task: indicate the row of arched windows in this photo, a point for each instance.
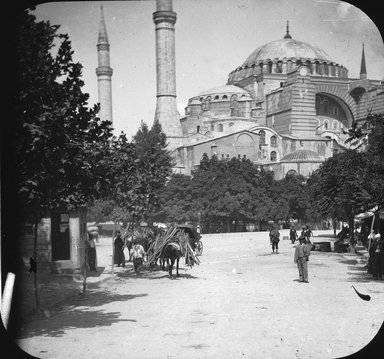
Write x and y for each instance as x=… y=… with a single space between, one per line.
x=273 y=139
x=317 y=67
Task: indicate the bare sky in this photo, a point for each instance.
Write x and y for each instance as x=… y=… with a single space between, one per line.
x=213 y=37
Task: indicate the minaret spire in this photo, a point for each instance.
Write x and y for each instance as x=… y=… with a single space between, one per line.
x=104 y=71
x=287 y=35
x=363 y=68
x=166 y=107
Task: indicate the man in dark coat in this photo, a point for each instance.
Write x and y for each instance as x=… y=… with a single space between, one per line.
x=274 y=236
x=119 y=257
x=292 y=234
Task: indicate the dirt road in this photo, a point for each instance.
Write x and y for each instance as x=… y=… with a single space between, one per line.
x=242 y=301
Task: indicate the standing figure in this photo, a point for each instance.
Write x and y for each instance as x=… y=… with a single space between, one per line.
x=308 y=233
x=292 y=234
x=138 y=256
x=301 y=258
x=92 y=259
x=274 y=236
x=375 y=249
x=119 y=257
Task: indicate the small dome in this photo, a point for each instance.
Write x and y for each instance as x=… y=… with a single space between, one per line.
x=301 y=156
x=226 y=89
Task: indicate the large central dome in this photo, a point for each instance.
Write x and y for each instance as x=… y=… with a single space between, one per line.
x=286 y=48
x=283 y=56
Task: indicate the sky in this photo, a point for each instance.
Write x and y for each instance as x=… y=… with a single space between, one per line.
x=213 y=37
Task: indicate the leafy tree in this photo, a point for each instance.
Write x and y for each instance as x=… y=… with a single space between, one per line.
x=176 y=201
x=371 y=136
x=154 y=165
x=341 y=186
x=57 y=138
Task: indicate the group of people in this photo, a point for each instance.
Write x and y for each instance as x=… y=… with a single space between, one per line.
x=306 y=233
x=302 y=250
x=137 y=255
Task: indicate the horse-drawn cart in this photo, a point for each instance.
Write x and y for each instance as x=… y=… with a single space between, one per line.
x=178 y=241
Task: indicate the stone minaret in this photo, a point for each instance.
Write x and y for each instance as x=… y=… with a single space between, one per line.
x=166 y=107
x=363 y=68
x=104 y=72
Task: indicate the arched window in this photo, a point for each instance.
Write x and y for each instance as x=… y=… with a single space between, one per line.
x=273 y=141
x=270 y=67
x=262 y=137
x=308 y=64
x=279 y=67
x=225 y=97
x=326 y=125
x=317 y=66
x=273 y=156
x=220 y=128
x=216 y=97
x=333 y=70
x=198 y=129
x=335 y=110
x=298 y=63
x=212 y=127
x=326 y=72
x=334 y=125
x=207 y=103
x=325 y=107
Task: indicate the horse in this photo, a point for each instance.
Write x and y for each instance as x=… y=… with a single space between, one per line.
x=172 y=253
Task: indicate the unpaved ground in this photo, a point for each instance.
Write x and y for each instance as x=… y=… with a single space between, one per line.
x=242 y=301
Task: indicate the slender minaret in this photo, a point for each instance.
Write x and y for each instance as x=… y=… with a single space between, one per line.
x=363 y=68
x=166 y=107
x=104 y=72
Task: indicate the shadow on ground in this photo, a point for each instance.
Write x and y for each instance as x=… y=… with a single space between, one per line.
x=71 y=315
x=152 y=273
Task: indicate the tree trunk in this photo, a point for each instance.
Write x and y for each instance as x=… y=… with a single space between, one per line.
x=334 y=226
x=351 y=223
x=85 y=267
x=35 y=278
x=228 y=223
x=113 y=248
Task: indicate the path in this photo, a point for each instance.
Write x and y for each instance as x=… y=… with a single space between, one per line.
x=242 y=301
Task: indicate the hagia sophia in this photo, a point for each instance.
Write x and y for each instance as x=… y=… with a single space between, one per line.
x=287 y=107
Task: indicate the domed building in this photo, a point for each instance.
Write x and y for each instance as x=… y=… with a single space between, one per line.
x=286 y=108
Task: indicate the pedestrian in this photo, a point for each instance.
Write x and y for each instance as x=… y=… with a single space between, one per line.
x=308 y=233
x=138 y=254
x=92 y=257
x=301 y=258
x=376 y=250
x=119 y=257
x=292 y=234
x=274 y=237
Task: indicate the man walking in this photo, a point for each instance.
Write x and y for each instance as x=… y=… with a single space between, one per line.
x=138 y=256
x=301 y=258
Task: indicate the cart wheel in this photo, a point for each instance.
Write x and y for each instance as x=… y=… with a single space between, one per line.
x=199 y=248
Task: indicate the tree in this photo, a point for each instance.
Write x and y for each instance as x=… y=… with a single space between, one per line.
x=341 y=186
x=154 y=165
x=371 y=136
x=57 y=138
x=176 y=201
